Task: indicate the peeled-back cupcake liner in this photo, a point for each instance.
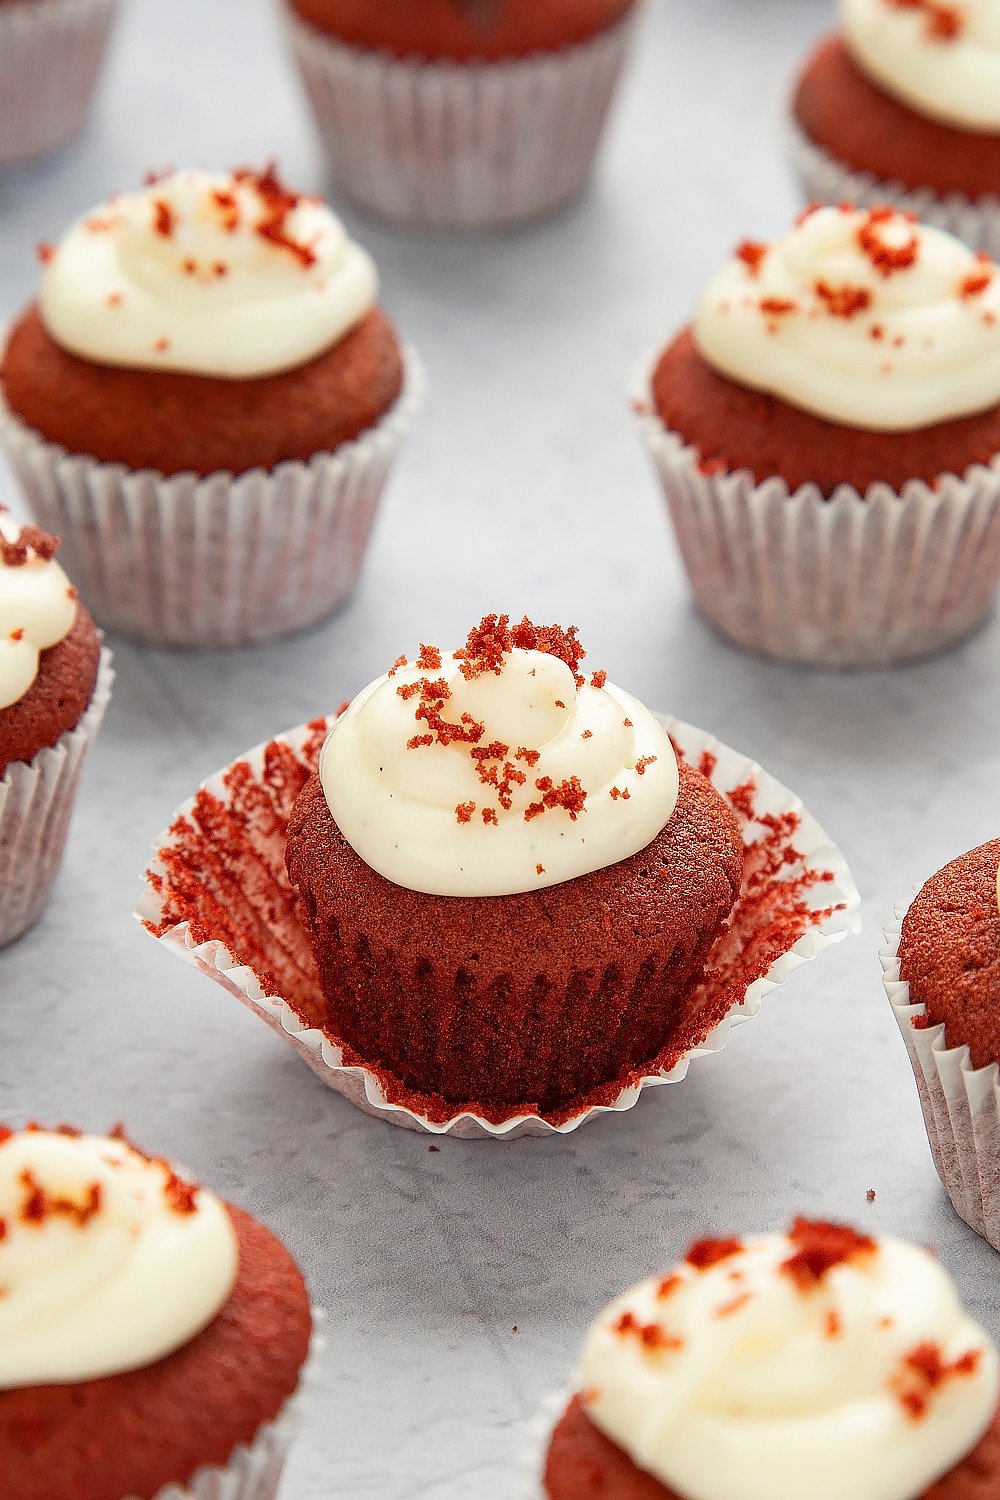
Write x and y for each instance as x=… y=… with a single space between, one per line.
x=51 y=52
x=824 y=179
x=460 y=144
x=961 y=1103
x=218 y=896
x=254 y=1472
x=226 y=560
x=851 y=581
x=36 y=804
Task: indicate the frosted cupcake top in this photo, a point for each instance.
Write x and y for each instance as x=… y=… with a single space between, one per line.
x=941 y=59
x=109 y=1260
x=37 y=606
x=230 y=275
x=866 y=318
x=820 y=1363
x=498 y=767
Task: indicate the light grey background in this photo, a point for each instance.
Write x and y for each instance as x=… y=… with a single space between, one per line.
x=523 y=489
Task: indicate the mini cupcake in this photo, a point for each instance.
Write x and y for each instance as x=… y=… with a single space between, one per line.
x=902 y=106
x=942 y=972
x=54 y=688
x=461 y=112
x=205 y=402
x=827 y=435
x=822 y=1362
x=153 y=1340
x=51 y=52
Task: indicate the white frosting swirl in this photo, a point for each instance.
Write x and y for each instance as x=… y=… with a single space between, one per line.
x=37 y=609
x=222 y=275
x=867 y=319
x=416 y=814
x=103 y=1268
x=943 y=60
x=740 y=1382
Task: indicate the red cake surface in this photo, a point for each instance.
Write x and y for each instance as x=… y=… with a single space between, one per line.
x=176 y=423
x=583 y=1464
x=733 y=427
x=852 y=117
x=133 y=1434
x=949 y=953
x=59 y=696
x=463 y=30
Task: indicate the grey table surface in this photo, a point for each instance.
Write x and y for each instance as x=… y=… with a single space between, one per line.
x=523 y=488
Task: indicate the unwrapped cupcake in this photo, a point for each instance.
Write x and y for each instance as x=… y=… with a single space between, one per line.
x=827 y=435
x=54 y=687
x=942 y=972
x=461 y=112
x=821 y=1363
x=902 y=105
x=153 y=1340
x=51 y=54
x=205 y=402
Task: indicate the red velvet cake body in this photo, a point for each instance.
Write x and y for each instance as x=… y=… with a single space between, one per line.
x=949 y=953
x=132 y=1434
x=858 y=122
x=527 y=999
x=59 y=696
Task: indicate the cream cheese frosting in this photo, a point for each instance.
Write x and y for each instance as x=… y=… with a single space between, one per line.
x=108 y=1260
x=865 y=318
x=229 y=275
x=37 y=606
x=498 y=768
x=941 y=59
x=819 y=1363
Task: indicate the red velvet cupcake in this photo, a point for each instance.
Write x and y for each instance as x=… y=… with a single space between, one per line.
x=51 y=54
x=207 y=386
x=901 y=107
x=827 y=435
x=822 y=1363
x=153 y=1340
x=461 y=112
x=54 y=688
x=942 y=974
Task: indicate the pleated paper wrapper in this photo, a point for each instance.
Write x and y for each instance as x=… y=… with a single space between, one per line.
x=851 y=581
x=461 y=144
x=217 y=895
x=36 y=804
x=961 y=1103
x=51 y=53
x=226 y=560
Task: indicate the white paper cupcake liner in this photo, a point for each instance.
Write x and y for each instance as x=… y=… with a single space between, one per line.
x=51 y=52
x=851 y=581
x=254 y=1472
x=36 y=803
x=824 y=179
x=460 y=144
x=961 y=1104
x=792 y=868
x=226 y=560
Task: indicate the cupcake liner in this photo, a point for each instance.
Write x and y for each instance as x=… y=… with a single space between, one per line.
x=36 y=803
x=460 y=144
x=254 y=1472
x=51 y=52
x=217 y=895
x=226 y=560
x=824 y=179
x=850 y=581
x=961 y=1104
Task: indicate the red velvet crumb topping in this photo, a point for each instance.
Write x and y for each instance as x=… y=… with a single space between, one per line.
x=14 y=554
x=705 y=1254
x=819 y=1247
x=925 y=1370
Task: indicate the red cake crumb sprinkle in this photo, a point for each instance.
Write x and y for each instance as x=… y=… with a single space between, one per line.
x=164 y=218
x=844 y=301
x=643 y=762
x=161 y=346
x=490 y=640
x=40 y=1205
x=945 y=23
x=530 y=757
x=3 y=1230
x=114 y=299
x=464 y=811
x=834 y=1324
x=729 y=1308
x=777 y=307
x=220 y=268
x=598 y=680
x=925 y=1370
x=539 y=869
x=753 y=254
x=653 y=1338
x=45 y=252
x=490 y=816
x=588 y=734
x=974 y=284
x=668 y=1286
x=278 y=202
x=229 y=209
x=434 y=694
x=400 y=661
x=429 y=659
x=876 y=332
x=871 y=1195
x=569 y=795
x=181 y=1196
x=820 y=1247
x=17 y=634
x=887 y=259
x=14 y=554
x=704 y=1254
x=618 y=794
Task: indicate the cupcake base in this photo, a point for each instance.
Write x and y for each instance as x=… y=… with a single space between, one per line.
x=51 y=52
x=464 y=145
x=36 y=803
